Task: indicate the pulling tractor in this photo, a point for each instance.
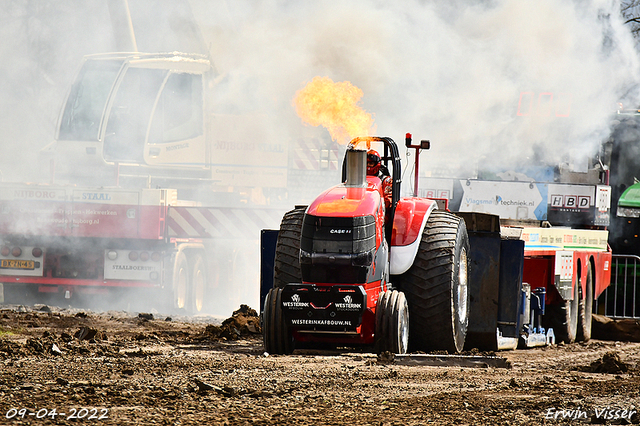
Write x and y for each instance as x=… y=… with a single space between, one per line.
x=347 y=271
x=518 y=265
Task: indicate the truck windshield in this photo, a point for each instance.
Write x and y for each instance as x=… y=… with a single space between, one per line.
x=83 y=111
x=130 y=114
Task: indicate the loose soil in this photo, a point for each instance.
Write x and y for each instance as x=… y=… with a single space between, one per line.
x=118 y=368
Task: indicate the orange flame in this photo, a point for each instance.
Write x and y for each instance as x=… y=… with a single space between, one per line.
x=335 y=107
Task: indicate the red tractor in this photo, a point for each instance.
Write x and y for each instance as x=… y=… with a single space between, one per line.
x=350 y=271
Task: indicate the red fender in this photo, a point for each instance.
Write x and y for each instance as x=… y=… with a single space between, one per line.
x=408 y=223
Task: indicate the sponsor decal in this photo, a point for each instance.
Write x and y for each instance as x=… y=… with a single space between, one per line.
x=502 y=202
x=295 y=303
x=320 y=322
x=499 y=201
x=470 y=200
x=249 y=146
x=96 y=212
x=571 y=202
x=179 y=146
x=435 y=193
x=29 y=193
x=133 y=268
x=348 y=305
x=96 y=196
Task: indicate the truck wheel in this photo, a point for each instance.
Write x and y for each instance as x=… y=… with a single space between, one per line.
x=277 y=337
x=198 y=284
x=563 y=318
x=180 y=283
x=436 y=285
x=585 y=310
x=287 y=260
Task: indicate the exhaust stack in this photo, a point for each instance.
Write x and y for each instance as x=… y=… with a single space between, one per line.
x=356 y=168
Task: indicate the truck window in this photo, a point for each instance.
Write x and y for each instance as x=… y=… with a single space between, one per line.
x=83 y=111
x=130 y=114
x=178 y=115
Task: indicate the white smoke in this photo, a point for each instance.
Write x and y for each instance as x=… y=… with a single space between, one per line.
x=512 y=81
x=457 y=73
x=509 y=82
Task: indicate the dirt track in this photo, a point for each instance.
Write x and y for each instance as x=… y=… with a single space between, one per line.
x=131 y=369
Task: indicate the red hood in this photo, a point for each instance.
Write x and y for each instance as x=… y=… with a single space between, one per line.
x=341 y=201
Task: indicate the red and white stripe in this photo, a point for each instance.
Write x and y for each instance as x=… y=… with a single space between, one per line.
x=309 y=153
x=214 y=222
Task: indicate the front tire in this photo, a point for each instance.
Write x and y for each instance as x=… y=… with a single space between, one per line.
x=392 y=323
x=277 y=337
x=436 y=285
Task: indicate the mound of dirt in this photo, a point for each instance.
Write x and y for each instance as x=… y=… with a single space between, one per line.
x=244 y=322
x=622 y=330
x=610 y=363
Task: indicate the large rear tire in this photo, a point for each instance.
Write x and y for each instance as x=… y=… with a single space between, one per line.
x=277 y=337
x=436 y=286
x=287 y=258
x=563 y=318
x=585 y=310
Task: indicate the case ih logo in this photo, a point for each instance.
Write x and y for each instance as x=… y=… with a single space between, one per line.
x=570 y=201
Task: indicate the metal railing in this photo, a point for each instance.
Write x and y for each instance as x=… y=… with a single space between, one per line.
x=622 y=298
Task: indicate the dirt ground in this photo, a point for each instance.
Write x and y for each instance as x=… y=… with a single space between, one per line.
x=70 y=366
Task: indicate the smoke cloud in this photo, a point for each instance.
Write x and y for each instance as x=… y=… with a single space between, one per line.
x=502 y=82
x=510 y=81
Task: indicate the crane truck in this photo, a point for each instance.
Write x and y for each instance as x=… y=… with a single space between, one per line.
x=146 y=186
x=484 y=267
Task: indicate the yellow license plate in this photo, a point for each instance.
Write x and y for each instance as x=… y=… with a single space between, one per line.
x=17 y=264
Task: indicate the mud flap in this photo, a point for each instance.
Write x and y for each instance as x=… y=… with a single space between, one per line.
x=510 y=320
x=268 y=240
x=495 y=281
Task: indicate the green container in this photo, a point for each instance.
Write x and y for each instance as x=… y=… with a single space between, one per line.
x=629 y=202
